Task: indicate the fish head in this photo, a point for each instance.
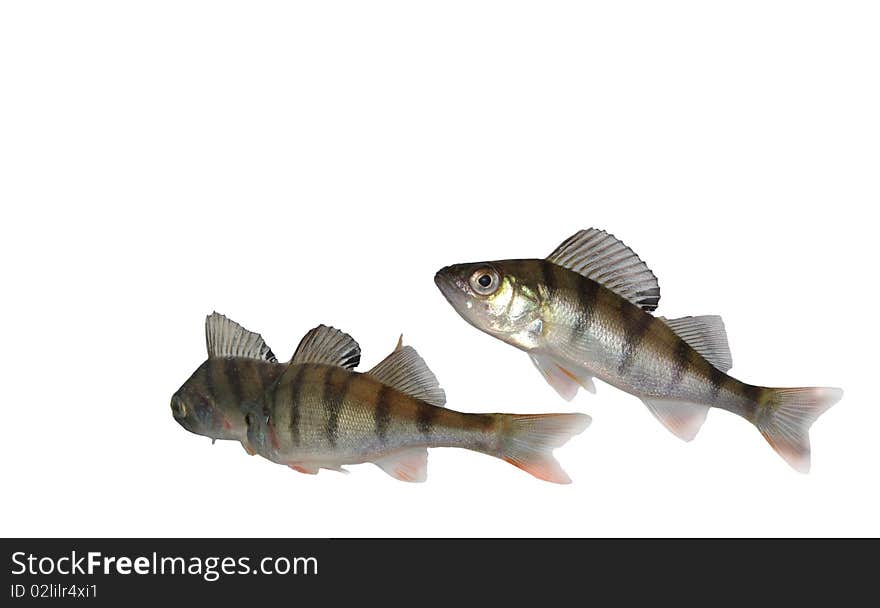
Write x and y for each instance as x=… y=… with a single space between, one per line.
x=500 y=298
x=258 y=421
x=198 y=409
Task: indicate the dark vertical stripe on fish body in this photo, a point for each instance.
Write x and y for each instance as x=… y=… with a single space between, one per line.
x=753 y=393
x=716 y=379
x=295 y=407
x=635 y=325
x=548 y=275
x=278 y=402
x=485 y=423
x=251 y=378
x=208 y=376
x=587 y=300
x=382 y=412
x=262 y=376
x=220 y=389
x=425 y=418
x=754 y=397
x=681 y=361
x=272 y=373
x=334 y=394
x=233 y=379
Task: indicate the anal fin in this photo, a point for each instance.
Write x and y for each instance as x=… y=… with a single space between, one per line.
x=307 y=469
x=565 y=381
x=406 y=465
x=683 y=419
x=312 y=468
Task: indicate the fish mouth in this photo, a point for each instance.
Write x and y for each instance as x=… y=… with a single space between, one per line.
x=455 y=290
x=447 y=284
x=178 y=408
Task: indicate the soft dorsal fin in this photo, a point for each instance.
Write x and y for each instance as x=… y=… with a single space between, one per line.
x=226 y=338
x=603 y=258
x=328 y=345
x=706 y=335
x=407 y=372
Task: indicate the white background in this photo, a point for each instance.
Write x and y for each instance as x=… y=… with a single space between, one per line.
x=290 y=164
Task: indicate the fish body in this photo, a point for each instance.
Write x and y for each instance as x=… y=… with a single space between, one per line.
x=240 y=367
x=323 y=414
x=585 y=312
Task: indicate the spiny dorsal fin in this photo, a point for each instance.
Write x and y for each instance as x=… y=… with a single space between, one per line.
x=407 y=372
x=603 y=258
x=706 y=335
x=226 y=338
x=328 y=345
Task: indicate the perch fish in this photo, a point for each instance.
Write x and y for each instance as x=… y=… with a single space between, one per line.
x=585 y=312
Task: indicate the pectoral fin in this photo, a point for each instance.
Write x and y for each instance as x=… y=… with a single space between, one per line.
x=562 y=378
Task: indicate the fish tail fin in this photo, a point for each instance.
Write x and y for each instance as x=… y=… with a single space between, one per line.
x=785 y=416
x=528 y=441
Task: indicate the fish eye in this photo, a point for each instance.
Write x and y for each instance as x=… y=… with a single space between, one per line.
x=485 y=281
x=249 y=419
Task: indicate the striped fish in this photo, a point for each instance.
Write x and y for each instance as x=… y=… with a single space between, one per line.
x=323 y=414
x=240 y=367
x=584 y=312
